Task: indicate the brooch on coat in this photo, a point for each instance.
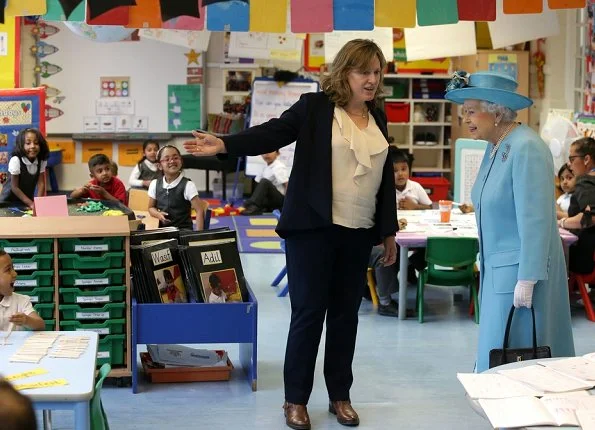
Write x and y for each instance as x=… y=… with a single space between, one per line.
x=505 y=153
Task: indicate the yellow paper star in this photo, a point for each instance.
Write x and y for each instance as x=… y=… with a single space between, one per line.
x=192 y=56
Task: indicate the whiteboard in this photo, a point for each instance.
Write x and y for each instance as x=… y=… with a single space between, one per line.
x=151 y=66
x=270 y=101
x=469 y=154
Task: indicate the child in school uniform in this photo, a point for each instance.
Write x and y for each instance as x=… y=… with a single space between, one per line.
x=172 y=196
x=147 y=167
x=410 y=195
x=103 y=185
x=15 y=309
x=567 y=184
x=272 y=184
x=26 y=168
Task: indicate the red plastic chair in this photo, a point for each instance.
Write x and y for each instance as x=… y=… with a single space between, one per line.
x=579 y=280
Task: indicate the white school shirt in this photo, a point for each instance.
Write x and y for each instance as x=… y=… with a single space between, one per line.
x=214 y=298
x=14 y=165
x=564 y=201
x=415 y=192
x=12 y=304
x=189 y=192
x=276 y=172
x=358 y=158
x=133 y=181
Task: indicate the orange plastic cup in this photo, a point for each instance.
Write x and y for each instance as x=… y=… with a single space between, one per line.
x=445 y=209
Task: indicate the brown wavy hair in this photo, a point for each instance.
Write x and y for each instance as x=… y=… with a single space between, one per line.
x=354 y=55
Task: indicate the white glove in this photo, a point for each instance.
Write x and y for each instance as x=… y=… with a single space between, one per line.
x=523 y=294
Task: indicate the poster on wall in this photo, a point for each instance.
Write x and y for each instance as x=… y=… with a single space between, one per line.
x=184 y=107
x=19 y=109
x=503 y=63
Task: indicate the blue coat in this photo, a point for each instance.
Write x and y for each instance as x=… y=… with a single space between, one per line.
x=513 y=197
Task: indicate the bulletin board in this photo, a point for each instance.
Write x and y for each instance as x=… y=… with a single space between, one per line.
x=269 y=100
x=150 y=66
x=469 y=154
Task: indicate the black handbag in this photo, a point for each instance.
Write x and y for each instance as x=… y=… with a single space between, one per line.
x=505 y=355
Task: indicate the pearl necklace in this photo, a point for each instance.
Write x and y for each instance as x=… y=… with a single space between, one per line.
x=363 y=115
x=504 y=134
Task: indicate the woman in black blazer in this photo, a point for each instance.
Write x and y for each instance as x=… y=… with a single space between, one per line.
x=340 y=201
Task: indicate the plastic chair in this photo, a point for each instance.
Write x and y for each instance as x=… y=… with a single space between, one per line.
x=205 y=208
x=372 y=286
x=98 y=416
x=450 y=263
x=579 y=280
x=283 y=272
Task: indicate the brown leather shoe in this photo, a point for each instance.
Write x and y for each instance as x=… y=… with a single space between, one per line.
x=296 y=416
x=344 y=412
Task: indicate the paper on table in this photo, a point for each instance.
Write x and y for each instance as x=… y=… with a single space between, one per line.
x=563 y=406
x=516 y=412
x=578 y=367
x=494 y=386
x=42 y=384
x=28 y=374
x=586 y=419
x=546 y=379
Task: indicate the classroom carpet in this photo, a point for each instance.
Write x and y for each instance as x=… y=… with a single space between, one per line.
x=256 y=234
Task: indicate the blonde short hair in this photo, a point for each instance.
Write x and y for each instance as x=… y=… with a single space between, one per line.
x=354 y=55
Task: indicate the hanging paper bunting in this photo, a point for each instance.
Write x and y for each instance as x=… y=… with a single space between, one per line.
x=566 y=4
x=25 y=7
x=477 y=10
x=193 y=17
x=385 y=16
x=210 y=2
x=174 y=9
x=437 y=12
x=232 y=15
x=523 y=6
x=353 y=15
x=10 y=45
x=65 y=10
x=108 y=12
x=268 y=16
x=311 y=16
x=146 y=14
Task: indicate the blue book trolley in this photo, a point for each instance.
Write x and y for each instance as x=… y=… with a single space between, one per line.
x=194 y=323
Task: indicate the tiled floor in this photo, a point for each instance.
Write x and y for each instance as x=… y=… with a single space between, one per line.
x=405 y=373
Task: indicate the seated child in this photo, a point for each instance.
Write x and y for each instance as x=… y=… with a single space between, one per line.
x=217 y=294
x=15 y=309
x=272 y=183
x=147 y=167
x=410 y=195
x=26 y=168
x=16 y=410
x=567 y=184
x=103 y=185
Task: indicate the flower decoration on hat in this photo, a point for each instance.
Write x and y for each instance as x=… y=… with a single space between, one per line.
x=460 y=79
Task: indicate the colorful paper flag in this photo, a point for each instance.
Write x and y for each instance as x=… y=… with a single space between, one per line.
x=566 y=4
x=146 y=14
x=108 y=12
x=65 y=10
x=353 y=15
x=230 y=15
x=311 y=16
x=437 y=12
x=477 y=10
x=268 y=16
x=25 y=8
x=523 y=6
x=385 y=16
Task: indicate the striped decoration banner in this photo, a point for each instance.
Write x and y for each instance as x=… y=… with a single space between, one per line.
x=269 y=16
x=477 y=10
x=311 y=16
x=353 y=15
x=385 y=15
x=231 y=15
x=437 y=12
x=523 y=6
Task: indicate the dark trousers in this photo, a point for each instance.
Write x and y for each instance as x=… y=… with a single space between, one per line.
x=266 y=196
x=327 y=269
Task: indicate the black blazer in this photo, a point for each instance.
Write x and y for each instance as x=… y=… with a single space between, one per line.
x=308 y=201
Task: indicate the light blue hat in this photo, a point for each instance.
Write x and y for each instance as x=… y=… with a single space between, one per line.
x=489 y=86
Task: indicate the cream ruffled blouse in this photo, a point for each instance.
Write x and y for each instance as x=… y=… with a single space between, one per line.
x=358 y=157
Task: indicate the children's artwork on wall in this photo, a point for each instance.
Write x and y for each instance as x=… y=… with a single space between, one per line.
x=52 y=112
x=266 y=46
x=43 y=30
x=115 y=86
x=108 y=12
x=42 y=49
x=314 y=51
x=197 y=40
x=65 y=10
x=232 y=15
x=19 y=109
x=45 y=69
x=184 y=107
x=503 y=63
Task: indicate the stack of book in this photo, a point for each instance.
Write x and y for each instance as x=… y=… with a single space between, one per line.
x=171 y=266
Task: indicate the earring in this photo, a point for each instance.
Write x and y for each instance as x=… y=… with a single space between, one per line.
x=495 y=124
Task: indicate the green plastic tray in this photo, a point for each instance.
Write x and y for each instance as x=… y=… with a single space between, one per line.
x=114 y=326
x=104 y=295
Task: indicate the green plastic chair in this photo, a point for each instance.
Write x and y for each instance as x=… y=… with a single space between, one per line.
x=450 y=263
x=98 y=416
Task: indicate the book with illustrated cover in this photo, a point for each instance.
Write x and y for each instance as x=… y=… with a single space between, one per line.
x=219 y=268
x=190 y=278
x=194 y=237
x=140 y=237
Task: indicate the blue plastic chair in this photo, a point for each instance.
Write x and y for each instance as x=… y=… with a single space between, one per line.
x=283 y=272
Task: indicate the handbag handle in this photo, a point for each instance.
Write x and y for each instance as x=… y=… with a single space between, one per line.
x=507 y=333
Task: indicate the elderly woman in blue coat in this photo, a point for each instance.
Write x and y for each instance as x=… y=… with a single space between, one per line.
x=522 y=261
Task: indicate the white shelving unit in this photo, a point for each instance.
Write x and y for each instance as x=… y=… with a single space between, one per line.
x=435 y=158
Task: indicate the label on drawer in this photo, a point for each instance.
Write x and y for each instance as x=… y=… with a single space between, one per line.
x=92 y=299
x=96 y=330
x=25 y=266
x=103 y=354
x=91 y=315
x=34 y=299
x=100 y=247
x=21 y=249
x=25 y=283
x=96 y=281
